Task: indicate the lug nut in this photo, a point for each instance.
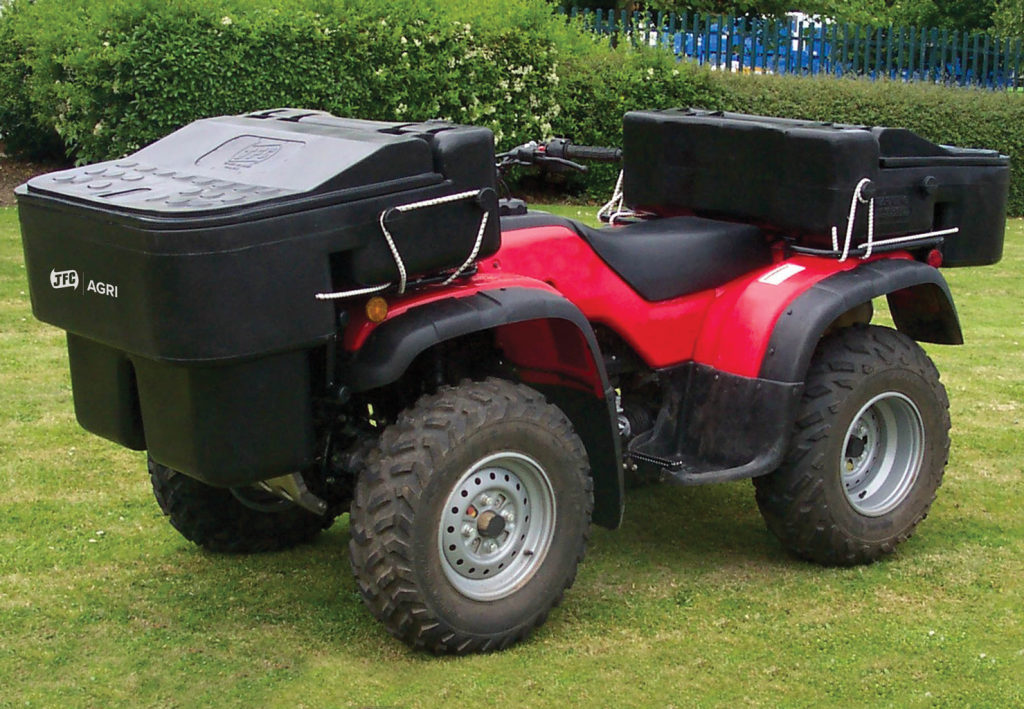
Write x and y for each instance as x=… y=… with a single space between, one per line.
x=509 y=516
x=467 y=530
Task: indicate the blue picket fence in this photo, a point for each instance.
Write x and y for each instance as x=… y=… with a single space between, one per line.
x=806 y=47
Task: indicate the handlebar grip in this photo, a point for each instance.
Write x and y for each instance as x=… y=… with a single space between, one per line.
x=587 y=152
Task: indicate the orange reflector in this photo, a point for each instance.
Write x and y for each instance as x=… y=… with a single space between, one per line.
x=471 y=511
x=376 y=309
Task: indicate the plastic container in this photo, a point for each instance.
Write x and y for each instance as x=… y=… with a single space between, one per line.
x=799 y=178
x=186 y=274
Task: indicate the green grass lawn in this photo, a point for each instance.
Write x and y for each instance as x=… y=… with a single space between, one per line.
x=691 y=603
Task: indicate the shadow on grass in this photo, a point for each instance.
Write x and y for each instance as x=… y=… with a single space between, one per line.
x=668 y=533
x=711 y=527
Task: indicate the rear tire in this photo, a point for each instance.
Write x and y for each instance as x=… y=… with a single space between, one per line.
x=215 y=519
x=868 y=453
x=471 y=518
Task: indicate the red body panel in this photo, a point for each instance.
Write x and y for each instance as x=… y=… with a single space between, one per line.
x=551 y=352
x=663 y=333
x=727 y=327
x=546 y=352
x=738 y=325
x=360 y=326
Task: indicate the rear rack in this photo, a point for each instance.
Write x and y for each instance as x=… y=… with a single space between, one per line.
x=915 y=241
x=864 y=193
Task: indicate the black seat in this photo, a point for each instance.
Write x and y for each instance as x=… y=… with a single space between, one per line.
x=668 y=258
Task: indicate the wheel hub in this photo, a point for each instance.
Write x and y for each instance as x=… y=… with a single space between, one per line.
x=882 y=454
x=490 y=525
x=496 y=526
x=861 y=447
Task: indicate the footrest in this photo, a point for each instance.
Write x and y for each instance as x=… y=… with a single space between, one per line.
x=714 y=426
x=689 y=471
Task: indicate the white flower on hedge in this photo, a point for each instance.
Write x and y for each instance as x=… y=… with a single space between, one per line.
x=675 y=72
x=106 y=44
x=404 y=40
x=417 y=42
x=650 y=73
x=98 y=128
x=225 y=20
x=402 y=108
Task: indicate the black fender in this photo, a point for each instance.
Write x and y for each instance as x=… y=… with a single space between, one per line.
x=396 y=343
x=919 y=299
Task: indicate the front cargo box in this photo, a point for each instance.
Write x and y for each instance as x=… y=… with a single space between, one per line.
x=799 y=177
x=186 y=274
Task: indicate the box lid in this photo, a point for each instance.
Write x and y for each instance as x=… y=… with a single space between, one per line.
x=222 y=166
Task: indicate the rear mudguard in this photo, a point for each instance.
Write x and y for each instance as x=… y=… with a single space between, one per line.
x=769 y=326
x=542 y=333
x=919 y=300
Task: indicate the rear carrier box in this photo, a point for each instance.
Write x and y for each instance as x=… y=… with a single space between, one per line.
x=799 y=178
x=186 y=275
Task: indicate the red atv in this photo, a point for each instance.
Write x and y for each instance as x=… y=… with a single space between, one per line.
x=299 y=315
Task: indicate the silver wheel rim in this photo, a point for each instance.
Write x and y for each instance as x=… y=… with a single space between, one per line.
x=882 y=454
x=486 y=559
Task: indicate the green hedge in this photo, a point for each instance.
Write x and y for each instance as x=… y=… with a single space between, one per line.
x=598 y=86
x=96 y=79
x=107 y=77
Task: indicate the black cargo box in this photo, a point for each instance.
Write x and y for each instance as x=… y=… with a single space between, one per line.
x=186 y=274
x=799 y=177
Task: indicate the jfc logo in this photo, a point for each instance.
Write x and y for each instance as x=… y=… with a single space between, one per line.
x=250 y=156
x=64 y=279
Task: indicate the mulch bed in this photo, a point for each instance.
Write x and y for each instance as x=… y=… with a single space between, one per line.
x=14 y=172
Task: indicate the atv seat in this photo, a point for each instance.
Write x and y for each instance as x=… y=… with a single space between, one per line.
x=668 y=258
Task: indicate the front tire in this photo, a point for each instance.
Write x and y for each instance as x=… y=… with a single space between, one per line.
x=868 y=453
x=218 y=520
x=471 y=518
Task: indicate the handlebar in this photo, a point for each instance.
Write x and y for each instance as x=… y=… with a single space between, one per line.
x=560 y=148
x=556 y=154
